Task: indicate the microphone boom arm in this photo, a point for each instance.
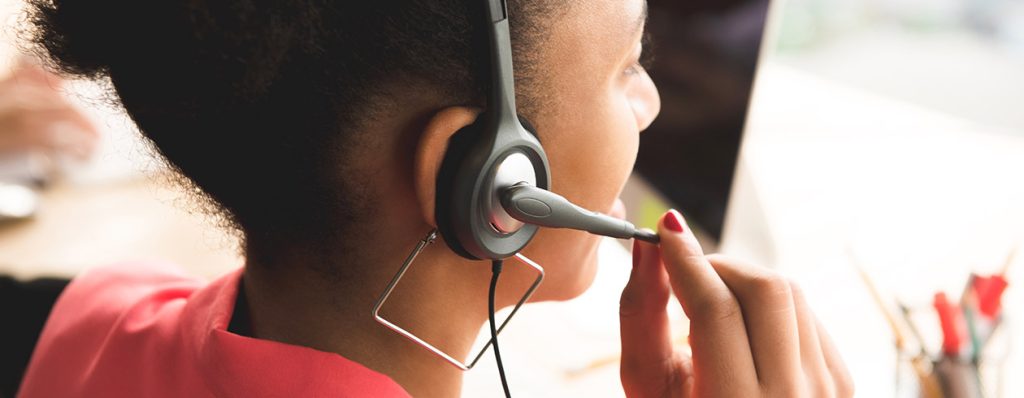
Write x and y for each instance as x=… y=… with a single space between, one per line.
x=537 y=206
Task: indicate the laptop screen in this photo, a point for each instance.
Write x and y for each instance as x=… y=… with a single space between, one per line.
x=705 y=54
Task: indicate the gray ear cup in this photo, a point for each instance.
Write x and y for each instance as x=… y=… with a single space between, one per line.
x=476 y=167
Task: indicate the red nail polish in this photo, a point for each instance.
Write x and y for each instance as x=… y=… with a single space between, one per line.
x=674 y=222
x=636 y=253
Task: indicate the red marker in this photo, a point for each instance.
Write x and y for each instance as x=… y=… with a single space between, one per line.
x=951 y=320
x=989 y=291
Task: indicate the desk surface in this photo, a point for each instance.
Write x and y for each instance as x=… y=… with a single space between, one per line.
x=130 y=219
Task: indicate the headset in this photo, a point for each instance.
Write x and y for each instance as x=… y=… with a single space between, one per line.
x=493 y=193
x=493 y=184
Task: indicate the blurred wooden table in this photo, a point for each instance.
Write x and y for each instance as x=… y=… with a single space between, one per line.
x=80 y=226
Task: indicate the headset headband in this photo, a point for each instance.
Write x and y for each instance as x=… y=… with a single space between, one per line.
x=503 y=90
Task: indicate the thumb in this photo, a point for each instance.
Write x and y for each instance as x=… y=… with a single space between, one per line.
x=644 y=326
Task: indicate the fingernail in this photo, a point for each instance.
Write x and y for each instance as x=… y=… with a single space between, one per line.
x=636 y=252
x=674 y=221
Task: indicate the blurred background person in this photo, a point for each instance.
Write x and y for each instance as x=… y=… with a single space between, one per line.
x=36 y=119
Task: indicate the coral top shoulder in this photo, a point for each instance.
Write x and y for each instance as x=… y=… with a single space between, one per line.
x=147 y=330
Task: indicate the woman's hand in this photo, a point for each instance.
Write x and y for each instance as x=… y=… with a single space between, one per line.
x=34 y=116
x=752 y=333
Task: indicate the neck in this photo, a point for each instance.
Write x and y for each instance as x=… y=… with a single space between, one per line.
x=294 y=304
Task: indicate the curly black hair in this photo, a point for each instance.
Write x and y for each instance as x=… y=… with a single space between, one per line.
x=260 y=103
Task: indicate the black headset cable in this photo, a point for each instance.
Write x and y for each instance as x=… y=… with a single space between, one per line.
x=495 y=271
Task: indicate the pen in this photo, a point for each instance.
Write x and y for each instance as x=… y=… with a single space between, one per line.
x=880 y=302
x=951 y=325
x=968 y=304
x=914 y=331
x=1009 y=261
x=930 y=387
x=989 y=292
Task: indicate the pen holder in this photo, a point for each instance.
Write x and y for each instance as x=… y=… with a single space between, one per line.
x=963 y=376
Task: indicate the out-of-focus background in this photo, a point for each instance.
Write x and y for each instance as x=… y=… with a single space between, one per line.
x=888 y=136
x=881 y=136
x=960 y=57
x=120 y=203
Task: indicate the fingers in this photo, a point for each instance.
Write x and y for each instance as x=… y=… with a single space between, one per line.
x=766 y=300
x=812 y=358
x=752 y=331
x=34 y=117
x=840 y=374
x=722 y=356
x=647 y=353
x=62 y=131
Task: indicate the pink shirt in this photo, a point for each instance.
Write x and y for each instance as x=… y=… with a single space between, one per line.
x=146 y=330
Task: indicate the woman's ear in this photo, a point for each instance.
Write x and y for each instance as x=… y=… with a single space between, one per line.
x=430 y=152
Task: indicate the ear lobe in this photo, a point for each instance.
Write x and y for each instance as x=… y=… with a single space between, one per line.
x=430 y=152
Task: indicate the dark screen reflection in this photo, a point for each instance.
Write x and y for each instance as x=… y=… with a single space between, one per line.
x=705 y=54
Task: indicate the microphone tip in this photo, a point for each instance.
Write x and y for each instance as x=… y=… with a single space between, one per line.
x=646 y=235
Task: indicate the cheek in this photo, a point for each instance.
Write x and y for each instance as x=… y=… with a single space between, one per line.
x=591 y=161
x=644 y=100
x=591 y=154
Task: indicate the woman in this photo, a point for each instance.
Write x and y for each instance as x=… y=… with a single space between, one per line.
x=316 y=129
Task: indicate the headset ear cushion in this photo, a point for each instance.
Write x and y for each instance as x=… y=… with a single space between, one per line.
x=458 y=146
x=451 y=190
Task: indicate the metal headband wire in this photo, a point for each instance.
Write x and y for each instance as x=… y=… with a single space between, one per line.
x=430 y=238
